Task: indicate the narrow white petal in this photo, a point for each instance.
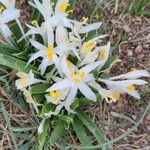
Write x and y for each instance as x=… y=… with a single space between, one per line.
x=50 y=35
x=45 y=63
x=86 y=91
x=4 y=29
x=38 y=45
x=35 y=56
x=132 y=75
x=65 y=67
x=90 y=27
x=60 y=85
x=88 y=68
x=71 y=97
x=133 y=93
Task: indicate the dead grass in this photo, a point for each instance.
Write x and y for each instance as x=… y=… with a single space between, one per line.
x=126 y=32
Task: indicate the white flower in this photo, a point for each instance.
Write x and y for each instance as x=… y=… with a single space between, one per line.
x=44 y=8
x=26 y=80
x=90 y=45
x=100 y=53
x=56 y=96
x=64 y=45
x=60 y=15
x=48 y=55
x=5 y=17
x=76 y=79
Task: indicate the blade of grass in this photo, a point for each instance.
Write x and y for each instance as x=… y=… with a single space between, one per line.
x=6 y=117
x=81 y=133
x=97 y=132
x=17 y=64
x=57 y=132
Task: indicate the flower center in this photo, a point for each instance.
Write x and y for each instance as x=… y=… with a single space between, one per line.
x=102 y=54
x=131 y=87
x=55 y=94
x=1 y=8
x=68 y=64
x=63 y=6
x=88 y=46
x=50 y=51
x=116 y=94
x=111 y=96
x=34 y=22
x=77 y=76
x=85 y=19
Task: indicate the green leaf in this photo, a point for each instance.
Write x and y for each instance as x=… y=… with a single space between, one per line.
x=26 y=146
x=16 y=63
x=81 y=133
x=97 y=132
x=8 y=49
x=39 y=88
x=43 y=135
x=110 y=62
x=91 y=35
x=57 y=132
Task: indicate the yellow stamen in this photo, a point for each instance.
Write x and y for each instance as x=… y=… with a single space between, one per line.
x=133 y=69
x=88 y=46
x=55 y=94
x=70 y=11
x=131 y=87
x=63 y=6
x=50 y=51
x=77 y=75
x=111 y=96
x=1 y=8
x=85 y=19
x=116 y=94
x=68 y=64
x=102 y=54
x=34 y=22
x=23 y=81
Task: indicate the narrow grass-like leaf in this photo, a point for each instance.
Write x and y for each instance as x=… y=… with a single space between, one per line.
x=57 y=132
x=26 y=146
x=43 y=135
x=6 y=117
x=81 y=133
x=17 y=64
x=97 y=132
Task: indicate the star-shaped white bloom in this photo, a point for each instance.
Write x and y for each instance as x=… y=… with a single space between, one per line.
x=76 y=79
x=26 y=80
x=126 y=84
x=48 y=55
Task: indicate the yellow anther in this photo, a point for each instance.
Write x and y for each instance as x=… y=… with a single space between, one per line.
x=1 y=8
x=23 y=81
x=88 y=46
x=77 y=76
x=85 y=19
x=69 y=11
x=68 y=64
x=102 y=54
x=116 y=94
x=111 y=96
x=133 y=69
x=63 y=6
x=50 y=51
x=131 y=87
x=34 y=22
x=55 y=94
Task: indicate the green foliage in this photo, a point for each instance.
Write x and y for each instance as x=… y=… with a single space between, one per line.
x=138 y=7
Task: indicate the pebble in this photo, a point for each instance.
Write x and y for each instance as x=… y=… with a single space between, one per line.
x=130 y=53
x=146 y=45
x=138 y=49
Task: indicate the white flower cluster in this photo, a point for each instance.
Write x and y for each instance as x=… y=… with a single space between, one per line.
x=63 y=39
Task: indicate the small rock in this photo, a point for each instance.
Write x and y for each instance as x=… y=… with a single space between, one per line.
x=130 y=53
x=138 y=49
x=146 y=45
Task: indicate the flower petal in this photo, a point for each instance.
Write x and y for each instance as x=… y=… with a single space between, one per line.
x=38 y=45
x=86 y=91
x=132 y=75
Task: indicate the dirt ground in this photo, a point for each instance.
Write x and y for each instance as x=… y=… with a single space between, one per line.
x=130 y=37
